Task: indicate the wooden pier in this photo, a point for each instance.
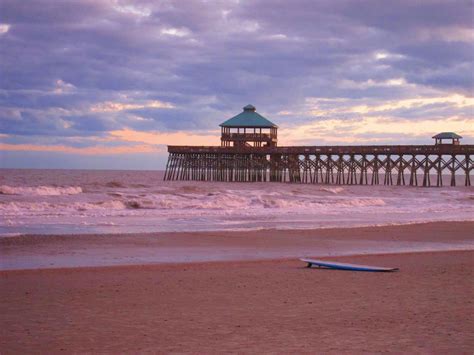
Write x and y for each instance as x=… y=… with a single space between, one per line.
x=249 y=152
x=413 y=165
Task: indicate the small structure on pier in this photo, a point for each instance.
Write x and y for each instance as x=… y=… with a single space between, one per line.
x=447 y=135
x=249 y=129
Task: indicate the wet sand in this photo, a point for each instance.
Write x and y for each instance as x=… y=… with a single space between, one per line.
x=245 y=306
x=43 y=251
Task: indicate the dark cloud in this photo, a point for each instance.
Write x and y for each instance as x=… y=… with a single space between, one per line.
x=61 y=58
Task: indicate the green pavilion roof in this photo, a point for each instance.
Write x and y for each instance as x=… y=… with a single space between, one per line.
x=447 y=135
x=248 y=119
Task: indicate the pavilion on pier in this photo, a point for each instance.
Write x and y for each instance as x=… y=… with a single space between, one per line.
x=447 y=135
x=248 y=129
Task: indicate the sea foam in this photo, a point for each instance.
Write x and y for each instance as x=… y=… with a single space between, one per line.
x=40 y=190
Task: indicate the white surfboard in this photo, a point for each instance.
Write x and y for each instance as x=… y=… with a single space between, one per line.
x=343 y=266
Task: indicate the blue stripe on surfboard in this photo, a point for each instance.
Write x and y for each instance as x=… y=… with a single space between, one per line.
x=345 y=266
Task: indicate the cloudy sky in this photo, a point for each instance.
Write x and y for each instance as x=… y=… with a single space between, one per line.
x=109 y=83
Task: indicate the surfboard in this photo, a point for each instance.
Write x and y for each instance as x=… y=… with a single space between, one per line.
x=343 y=266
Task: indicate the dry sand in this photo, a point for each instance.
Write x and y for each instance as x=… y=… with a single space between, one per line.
x=246 y=306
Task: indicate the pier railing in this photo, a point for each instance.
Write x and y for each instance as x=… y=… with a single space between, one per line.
x=343 y=149
x=248 y=136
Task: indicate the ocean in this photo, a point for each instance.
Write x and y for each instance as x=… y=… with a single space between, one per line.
x=102 y=202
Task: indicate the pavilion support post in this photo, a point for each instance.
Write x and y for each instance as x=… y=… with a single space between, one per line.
x=363 y=170
x=414 y=168
x=231 y=163
x=310 y=165
x=317 y=169
x=467 y=170
x=452 y=168
x=306 y=176
x=426 y=172
x=439 y=170
x=178 y=167
x=351 y=179
x=340 y=171
x=185 y=169
x=186 y=166
x=325 y=163
x=225 y=168
x=273 y=167
x=323 y=168
x=342 y=166
x=289 y=166
x=195 y=164
x=388 y=171
x=327 y=176
x=192 y=166
x=255 y=168
x=173 y=167
x=330 y=172
x=293 y=168
x=375 y=170
x=206 y=167
x=401 y=171
x=191 y=171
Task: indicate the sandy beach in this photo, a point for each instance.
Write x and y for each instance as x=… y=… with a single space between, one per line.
x=275 y=305
x=168 y=167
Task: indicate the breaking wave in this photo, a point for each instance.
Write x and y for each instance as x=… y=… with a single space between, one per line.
x=227 y=202
x=40 y=190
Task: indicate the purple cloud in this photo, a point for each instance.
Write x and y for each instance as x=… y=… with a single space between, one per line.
x=59 y=60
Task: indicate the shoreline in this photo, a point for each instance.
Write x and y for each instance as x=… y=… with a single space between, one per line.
x=303 y=230
x=101 y=250
x=242 y=230
x=223 y=263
